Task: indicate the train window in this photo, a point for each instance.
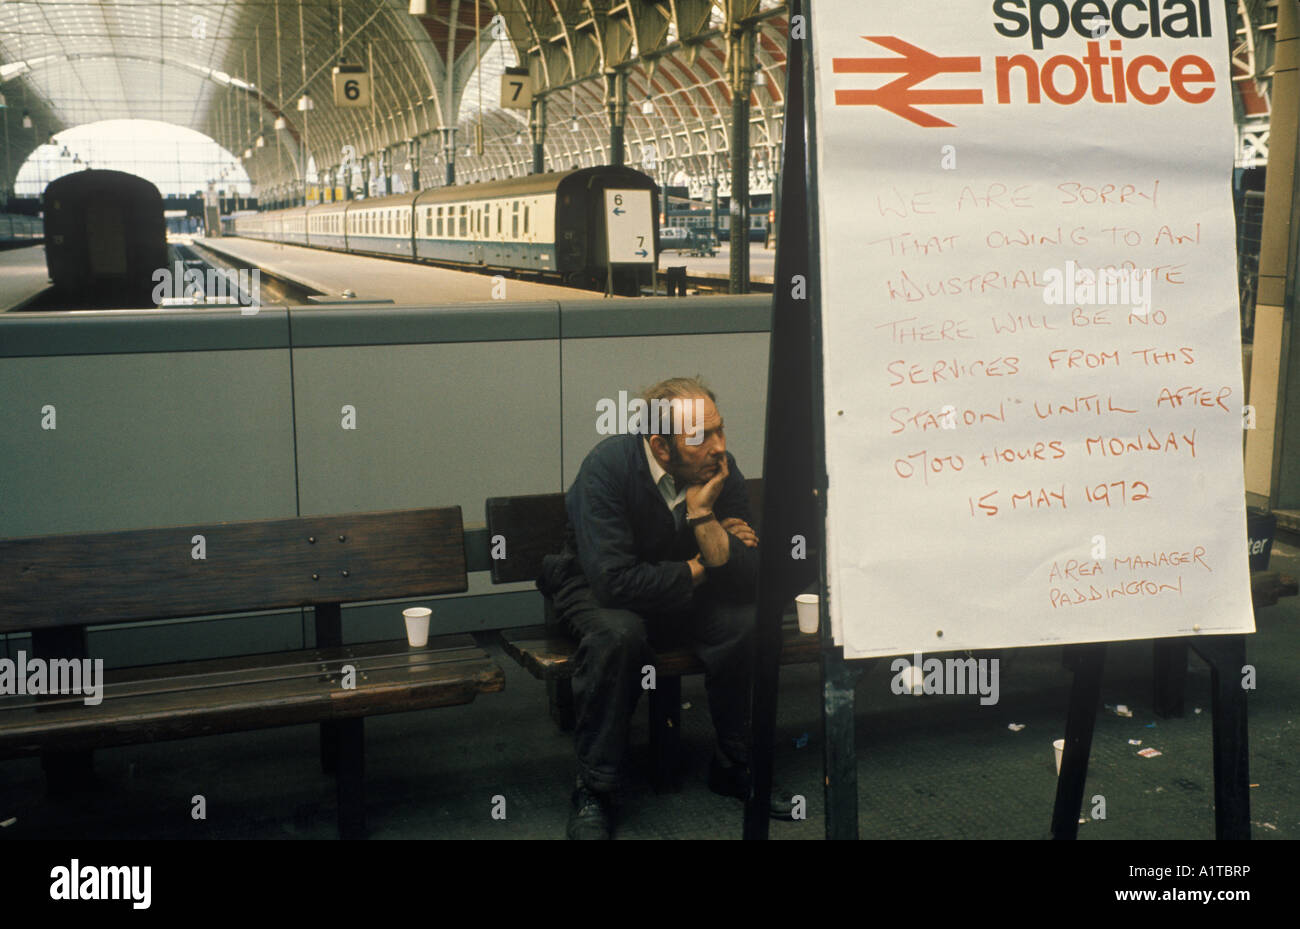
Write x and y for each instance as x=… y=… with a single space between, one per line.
x=440 y=221
x=428 y=220
x=498 y=220
x=464 y=220
x=525 y=219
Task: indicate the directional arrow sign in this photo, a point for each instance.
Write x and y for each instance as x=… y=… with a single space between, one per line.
x=629 y=227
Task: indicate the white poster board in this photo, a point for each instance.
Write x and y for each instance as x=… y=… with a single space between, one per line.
x=629 y=227
x=1013 y=461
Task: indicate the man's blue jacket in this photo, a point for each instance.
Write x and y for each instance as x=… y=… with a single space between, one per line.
x=622 y=538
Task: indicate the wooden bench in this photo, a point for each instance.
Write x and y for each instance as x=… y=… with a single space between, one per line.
x=533 y=527
x=56 y=586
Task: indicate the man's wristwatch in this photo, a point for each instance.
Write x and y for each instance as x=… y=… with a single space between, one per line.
x=694 y=521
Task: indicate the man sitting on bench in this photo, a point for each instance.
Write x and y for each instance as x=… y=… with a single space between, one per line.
x=658 y=551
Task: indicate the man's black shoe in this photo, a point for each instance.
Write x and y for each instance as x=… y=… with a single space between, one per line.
x=592 y=816
x=733 y=781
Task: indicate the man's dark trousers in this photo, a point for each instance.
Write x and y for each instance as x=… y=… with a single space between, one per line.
x=616 y=644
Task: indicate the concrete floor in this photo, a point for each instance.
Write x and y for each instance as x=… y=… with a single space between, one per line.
x=929 y=767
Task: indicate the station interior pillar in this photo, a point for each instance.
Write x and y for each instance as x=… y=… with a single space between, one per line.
x=1273 y=450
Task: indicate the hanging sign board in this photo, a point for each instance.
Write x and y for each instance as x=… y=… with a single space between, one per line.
x=629 y=227
x=516 y=89
x=351 y=86
x=1030 y=334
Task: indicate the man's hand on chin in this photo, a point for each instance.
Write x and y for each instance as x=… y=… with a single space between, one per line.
x=701 y=497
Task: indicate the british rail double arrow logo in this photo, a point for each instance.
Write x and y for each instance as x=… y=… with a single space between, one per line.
x=901 y=96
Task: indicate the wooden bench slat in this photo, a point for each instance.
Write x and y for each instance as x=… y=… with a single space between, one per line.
x=263 y=565
x=324 y=664
x=547 y=655
x=160 y=716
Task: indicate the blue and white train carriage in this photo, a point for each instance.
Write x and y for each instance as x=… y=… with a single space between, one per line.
x=550 y=225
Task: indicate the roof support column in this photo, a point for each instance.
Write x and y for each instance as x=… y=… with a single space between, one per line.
x=616 y=108
x=537 y=129
x=449 y=95
x=1272 y=478
x=413 y=156
x=741 y=41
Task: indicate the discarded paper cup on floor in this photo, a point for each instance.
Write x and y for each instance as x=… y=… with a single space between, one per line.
x=417 y=626
x=806 y=606
x=1059 y=745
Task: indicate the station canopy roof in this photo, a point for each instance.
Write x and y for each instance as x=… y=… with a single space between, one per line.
x=232 y=69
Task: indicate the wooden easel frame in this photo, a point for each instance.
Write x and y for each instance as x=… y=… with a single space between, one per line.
x=794 y=428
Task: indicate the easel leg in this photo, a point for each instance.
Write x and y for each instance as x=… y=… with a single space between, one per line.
x=1170 y=673
x=1225 y=655
x=838 y=718
x=1086 y=661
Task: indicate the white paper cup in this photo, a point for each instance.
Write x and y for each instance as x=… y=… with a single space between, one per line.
x=417 y=626
x=805 y=606
x=1059 y=745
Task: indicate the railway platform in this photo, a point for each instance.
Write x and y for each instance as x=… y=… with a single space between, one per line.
x=23 y=276
x=332 y=273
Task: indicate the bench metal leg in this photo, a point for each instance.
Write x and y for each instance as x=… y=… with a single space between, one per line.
x=329 y=634
x=329 y=747
x=68 y=773
x=665 y=734
x=559 y=694
x=65 y=772
x=351 y=778
x=1170 y=673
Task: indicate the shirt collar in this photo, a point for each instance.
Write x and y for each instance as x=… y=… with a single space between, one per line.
x=657 y=473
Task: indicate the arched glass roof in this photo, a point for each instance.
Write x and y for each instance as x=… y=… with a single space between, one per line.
x=232 y=68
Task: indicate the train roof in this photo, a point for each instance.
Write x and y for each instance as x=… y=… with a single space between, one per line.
x=516 y=186
x=96 y=179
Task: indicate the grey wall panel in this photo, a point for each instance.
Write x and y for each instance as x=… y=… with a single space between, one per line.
x=588 y=319
x=144 y=440
x=734 y=365
x=412 y=325
x=437 y=425
x=484 y=606
x=131 y=644
x=104 y=332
